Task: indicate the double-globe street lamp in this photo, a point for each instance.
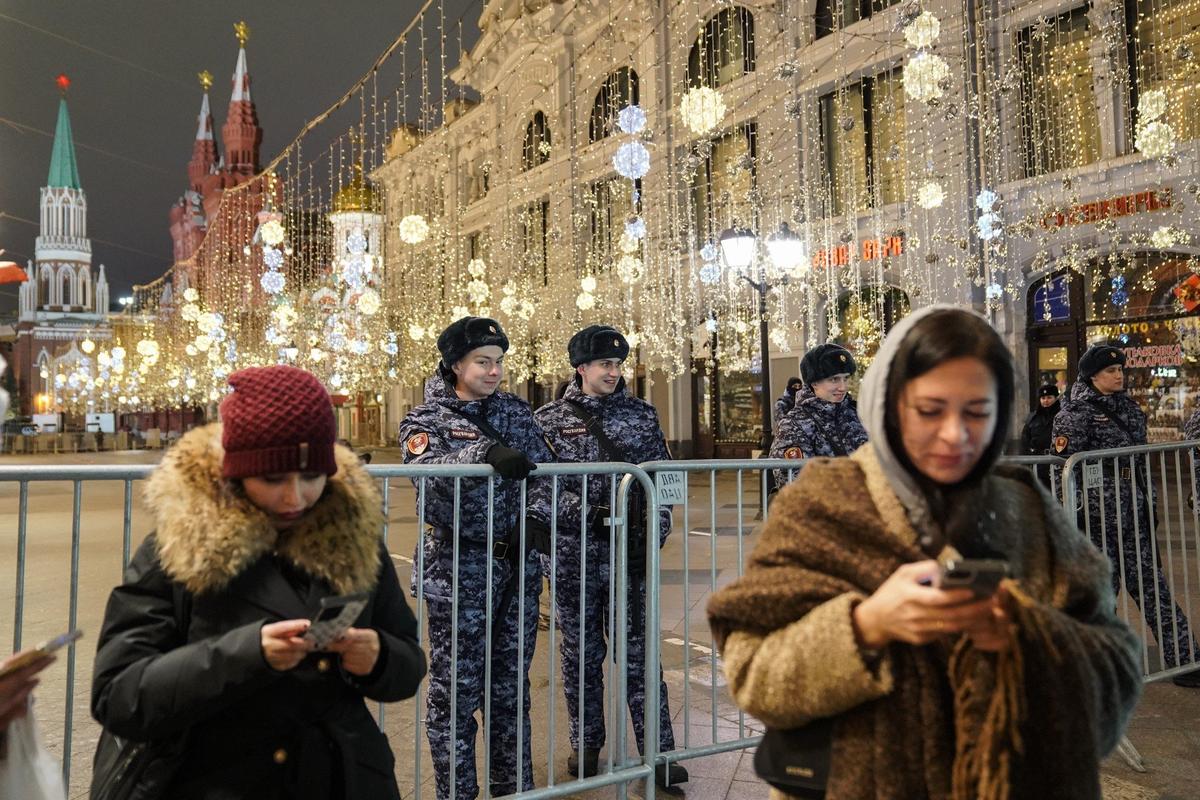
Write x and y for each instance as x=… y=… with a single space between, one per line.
x=786 y=257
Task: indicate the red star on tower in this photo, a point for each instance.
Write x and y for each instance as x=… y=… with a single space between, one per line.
x=63 y=82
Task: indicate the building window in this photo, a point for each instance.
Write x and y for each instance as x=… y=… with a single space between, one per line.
x=724 y=50
x=1165 y=52
x=834 y=15
x=723 y=182
x=610 y=202
x=619 y=89
x=1060 y=124
x=862 y=140
x=533 y=225
x=536 y=149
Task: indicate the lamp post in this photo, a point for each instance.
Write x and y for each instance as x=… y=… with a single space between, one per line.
x=787 y=252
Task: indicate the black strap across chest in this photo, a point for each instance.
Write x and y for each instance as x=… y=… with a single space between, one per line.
x=609 y=451
x=1114 y=419
x=479 y=421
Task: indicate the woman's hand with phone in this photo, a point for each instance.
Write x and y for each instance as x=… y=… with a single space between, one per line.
x=359 y=649
x=905 y=608
x=284 y=645
x=991 y=633
x=17 y=684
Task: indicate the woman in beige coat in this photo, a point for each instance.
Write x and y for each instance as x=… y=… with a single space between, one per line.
x=932 y=693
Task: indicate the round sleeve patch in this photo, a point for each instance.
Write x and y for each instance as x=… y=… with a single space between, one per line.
x=1060 y=443
x=417 y=444
x=793 y=452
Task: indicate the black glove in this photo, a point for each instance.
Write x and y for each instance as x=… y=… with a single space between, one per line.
x=600 y=525
x=537 y=536
x=510 y=463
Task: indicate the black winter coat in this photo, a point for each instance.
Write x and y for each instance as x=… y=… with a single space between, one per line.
x=252 y=732
x=1036 y=436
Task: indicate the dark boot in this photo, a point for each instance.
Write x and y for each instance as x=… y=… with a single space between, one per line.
x=591 y=762
x=667 y=775
x=1188 y=680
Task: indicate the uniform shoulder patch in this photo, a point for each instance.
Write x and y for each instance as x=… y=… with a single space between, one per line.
x=793 y=452
x=1060 y=443
x=417 y=444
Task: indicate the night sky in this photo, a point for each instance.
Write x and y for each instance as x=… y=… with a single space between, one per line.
x=134 y=98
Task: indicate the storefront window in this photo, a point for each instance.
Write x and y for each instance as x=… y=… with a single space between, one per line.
x=1060 y=125
x=610 y=202
x=1149 y=305
x=740 y=406
x=864 y=318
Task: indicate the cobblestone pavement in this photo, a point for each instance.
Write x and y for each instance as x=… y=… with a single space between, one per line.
x=1165 y=729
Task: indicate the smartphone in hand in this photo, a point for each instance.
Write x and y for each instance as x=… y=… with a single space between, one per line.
x=981 y=575
x=44 y=649
x=337 y=614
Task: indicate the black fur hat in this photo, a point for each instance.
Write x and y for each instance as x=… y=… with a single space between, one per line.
x=1098 y=357
x=825 y=361
x=465 y=334
x=793 y=382
x=596 y=342
x=1049 y=390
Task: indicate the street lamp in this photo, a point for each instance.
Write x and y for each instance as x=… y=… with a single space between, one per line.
x=788 y=254
x=126 y=302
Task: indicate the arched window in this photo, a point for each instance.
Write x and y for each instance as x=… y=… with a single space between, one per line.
x=44 y=283
x=619 y=89
x=724 y=50
x=85 y=288
x=66 y=289
x=833 y=15
x=536 y=149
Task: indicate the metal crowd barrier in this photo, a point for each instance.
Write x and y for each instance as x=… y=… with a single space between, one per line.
x=698 y=494
x=1137 y=505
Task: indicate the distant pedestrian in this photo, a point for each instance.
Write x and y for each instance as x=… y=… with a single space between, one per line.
x=787 y=400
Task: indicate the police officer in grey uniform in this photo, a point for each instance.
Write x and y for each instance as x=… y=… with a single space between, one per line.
x=598 y=420
x=465 y=419
x=824 y=421
x=1099 y=415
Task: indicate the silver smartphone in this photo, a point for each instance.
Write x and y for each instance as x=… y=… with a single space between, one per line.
x=336 y=615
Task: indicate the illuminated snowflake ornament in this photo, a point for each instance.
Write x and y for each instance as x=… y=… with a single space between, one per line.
x=923 y=31
x=413 y=229
x=631 y=120
x=272 y=282
x=702 y=109
x=632 y=160
x=923 y=76
x=930 y=195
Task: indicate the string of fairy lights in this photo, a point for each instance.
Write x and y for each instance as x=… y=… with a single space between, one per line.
x=915 y=150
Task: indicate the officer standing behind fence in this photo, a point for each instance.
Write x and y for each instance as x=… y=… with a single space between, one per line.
x=825 y=419
x=465 y=420
x=1099 y=415
x=598 y=420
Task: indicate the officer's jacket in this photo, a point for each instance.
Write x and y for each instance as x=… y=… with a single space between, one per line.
x=817 y=428
x=433 y=433
x=1090 y=420
x=629 y=422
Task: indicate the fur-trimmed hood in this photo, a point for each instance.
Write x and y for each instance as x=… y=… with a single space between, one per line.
x=208 y=534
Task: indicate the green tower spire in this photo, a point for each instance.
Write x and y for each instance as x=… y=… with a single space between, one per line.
x=63 y=171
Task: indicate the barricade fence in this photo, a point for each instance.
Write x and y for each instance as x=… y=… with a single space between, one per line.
x=588 y=596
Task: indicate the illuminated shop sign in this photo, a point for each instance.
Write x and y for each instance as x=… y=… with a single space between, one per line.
x=1154 y=356
x=1097 y=210
x=867 y=250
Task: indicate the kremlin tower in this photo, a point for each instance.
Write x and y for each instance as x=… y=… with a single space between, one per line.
x=209 y=175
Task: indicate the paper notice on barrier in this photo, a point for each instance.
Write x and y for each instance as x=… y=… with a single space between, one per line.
x=1093 y=476
x=672 y=488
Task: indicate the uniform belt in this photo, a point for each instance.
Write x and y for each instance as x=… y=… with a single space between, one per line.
x=499 y=546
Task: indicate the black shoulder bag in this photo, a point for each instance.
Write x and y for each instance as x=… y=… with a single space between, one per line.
x=796 y=761
x=126 y=770
x=636 y=513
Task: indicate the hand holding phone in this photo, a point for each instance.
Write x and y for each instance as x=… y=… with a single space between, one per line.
x=981 y=575
x=337 y=614
x=43 y=651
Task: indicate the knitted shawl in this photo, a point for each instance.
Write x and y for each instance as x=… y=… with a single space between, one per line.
x=954 y=722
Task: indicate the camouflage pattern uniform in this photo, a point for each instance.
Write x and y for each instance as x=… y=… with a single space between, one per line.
x=816 y=428
x=632 y=425
x=433 y=433
x=1089 y=421
x=785 y=403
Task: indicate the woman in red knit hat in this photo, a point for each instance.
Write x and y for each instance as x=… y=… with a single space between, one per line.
x=203 y=652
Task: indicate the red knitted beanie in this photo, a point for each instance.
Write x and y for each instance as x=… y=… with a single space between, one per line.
x=277 y=419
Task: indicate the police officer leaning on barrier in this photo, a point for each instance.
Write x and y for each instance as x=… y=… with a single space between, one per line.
x=824 y=421
x=1099 y=415
x=465 y=420
x=598 y=420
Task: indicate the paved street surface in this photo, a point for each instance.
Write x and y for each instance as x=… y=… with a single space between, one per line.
x=1166 y=727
